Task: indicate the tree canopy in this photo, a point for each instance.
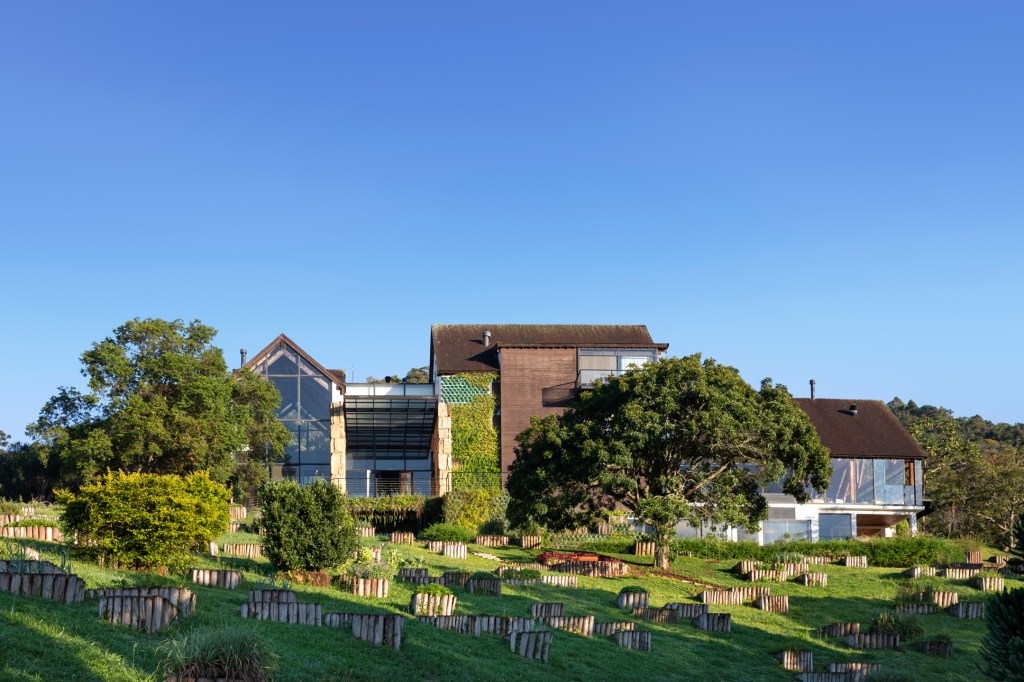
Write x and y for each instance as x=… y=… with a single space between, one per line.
x=677 y=439
x=974 y=475
x=161 y=400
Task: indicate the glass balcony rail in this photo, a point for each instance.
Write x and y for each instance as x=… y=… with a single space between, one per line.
x=586 y=378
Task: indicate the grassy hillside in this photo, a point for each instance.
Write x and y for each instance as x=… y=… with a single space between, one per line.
x=41 y=640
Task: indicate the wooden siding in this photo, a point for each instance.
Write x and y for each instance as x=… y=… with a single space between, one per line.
x=525 y=374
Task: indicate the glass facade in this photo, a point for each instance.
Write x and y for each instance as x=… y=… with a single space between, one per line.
x=305 y=411
x=875 y=481
x=388 y=445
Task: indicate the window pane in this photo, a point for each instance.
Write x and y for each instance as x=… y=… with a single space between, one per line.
x=835 y=527
x=284 y=364
x=288 y=387
x=315 y=398
x=314 y=443
x=785 y=530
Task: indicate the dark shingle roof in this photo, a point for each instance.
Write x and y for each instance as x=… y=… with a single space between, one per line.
x=873 y=432
x=460 y=347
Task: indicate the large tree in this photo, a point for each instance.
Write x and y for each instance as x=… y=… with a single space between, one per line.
x=161 y=400
x=678 y=439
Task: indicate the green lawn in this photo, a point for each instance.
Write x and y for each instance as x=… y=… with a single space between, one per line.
x=41 y=640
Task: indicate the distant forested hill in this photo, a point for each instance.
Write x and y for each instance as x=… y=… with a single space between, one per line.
x=974 y=477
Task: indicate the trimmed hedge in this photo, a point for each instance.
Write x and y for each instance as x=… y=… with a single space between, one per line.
x=890 y=552
x=448 y=532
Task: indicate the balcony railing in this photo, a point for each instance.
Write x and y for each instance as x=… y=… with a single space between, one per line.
x=586 y=378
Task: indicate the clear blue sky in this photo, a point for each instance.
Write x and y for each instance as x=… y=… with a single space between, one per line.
x=799 y=189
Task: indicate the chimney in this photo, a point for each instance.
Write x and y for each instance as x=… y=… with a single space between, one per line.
x=812 y=388
x=244 y=353
x=853 y=409
x=487 y=339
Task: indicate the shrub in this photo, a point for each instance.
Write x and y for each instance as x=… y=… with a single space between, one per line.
x=903 y=529
x=33 y=523
x=217 y=653
x=787 y=558
x=9 y=508
x=448 y=532
x=520 y=574
x=305 y=527
x=146 y=520
x=433 y=589
x=1002 y=648
x=473 y=507
x=374 y=570
x=889 y=552
x=904 y=625
x=483 y=575
x=603 y=544
x=390 y=512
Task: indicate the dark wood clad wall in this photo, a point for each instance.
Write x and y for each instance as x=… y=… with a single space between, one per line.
x=525 y=374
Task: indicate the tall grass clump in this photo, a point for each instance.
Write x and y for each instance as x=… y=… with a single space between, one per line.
x=219 y=653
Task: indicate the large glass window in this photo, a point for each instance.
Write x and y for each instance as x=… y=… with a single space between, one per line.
x=596 y=364
x=835 y=526
x=785 y=530
x=874 y=481
x=305 y=411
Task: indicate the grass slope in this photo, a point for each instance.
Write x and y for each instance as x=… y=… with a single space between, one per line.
x=41 y=640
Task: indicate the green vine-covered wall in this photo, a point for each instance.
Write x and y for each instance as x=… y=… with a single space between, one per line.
x=476 y=448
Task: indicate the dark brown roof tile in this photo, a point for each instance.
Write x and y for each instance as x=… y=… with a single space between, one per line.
x=460 y=347
x=873 y=432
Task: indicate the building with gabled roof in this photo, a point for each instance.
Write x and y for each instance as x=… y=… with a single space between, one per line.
x=538 y=369
x=386 y=438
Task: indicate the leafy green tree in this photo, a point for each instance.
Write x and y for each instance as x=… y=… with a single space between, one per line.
x=160 y=400
x=1002 y=648
x=417 y=375
x=1017 y=546
x=952 y=471
x=678 y=439
x=305 y=527
x=27 y=472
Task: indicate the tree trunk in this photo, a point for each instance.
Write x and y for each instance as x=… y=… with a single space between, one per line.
x=661 y=551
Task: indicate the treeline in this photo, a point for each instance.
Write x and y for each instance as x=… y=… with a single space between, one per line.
x=974 y=476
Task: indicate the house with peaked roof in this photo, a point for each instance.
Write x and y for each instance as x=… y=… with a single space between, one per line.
x=535 y=369
x=877 y=479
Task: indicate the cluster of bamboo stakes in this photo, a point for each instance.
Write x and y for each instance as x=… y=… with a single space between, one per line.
x=147 y=613
x=59 y=587
x=379 y=629
x=246 y=550
x=594 y=569
x=183 y=598
x=492 y=540
x=633 y=639
x=874 y=640
x=546 y=609
x=44 y=533
x=227 y=580
x=632 y=600
x=532 y=645
x=797 y=661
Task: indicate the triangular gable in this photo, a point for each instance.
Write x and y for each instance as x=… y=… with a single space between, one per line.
x=282 y=340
